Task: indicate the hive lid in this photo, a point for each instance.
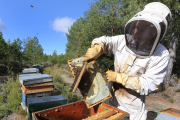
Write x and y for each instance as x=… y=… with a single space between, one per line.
x=35 y=78
x=164 y=116
x=30 y=70
x=169 y=114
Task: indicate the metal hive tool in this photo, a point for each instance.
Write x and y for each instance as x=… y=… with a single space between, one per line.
x=92 y=85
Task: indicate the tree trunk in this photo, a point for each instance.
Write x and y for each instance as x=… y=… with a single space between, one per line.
x=172 y=53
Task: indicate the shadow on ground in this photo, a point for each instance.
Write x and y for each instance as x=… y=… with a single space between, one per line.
x=151 y=115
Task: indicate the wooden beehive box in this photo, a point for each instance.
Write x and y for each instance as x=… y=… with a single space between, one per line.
x=79 y=111
x=46 y=102
x=92 y=85
x=34 y=95
x=37 y=88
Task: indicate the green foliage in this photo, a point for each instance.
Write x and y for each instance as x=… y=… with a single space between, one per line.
x=33 y=52
x=45 y=57
x=11 y=97
x=75 y=33
x=174 y=80
x=11 y=56
x=3 y=110
x=50 y=60
x=107 y=17
x=21 y=111
x=59 y=86
x=14 y=50
x=103 y=18
x=54 y=57
x=3 y=48
x=177 y=90
x=174 y=29
x=70 y=75
x=169 y=95
x=62 y=59
x=2 y=99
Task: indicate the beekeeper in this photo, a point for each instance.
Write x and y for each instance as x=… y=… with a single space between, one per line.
x=140 y=61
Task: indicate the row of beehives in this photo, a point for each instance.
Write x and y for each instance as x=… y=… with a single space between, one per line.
x=94 y=91
x=37 y=92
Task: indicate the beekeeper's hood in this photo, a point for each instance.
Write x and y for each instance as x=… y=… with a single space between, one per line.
x=144 y=31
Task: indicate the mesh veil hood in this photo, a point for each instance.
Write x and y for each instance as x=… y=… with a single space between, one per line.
x=153 y=14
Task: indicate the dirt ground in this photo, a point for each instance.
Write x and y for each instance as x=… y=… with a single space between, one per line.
x=155 y=102
x=15 y=116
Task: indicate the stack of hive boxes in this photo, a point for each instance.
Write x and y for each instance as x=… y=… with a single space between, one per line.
x=35 y=85
x=39 y=67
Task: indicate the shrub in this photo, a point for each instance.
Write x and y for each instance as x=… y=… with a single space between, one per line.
x=3 y=110
x=174 y=80
x=60 y=87
x=2 y=99
x=11 y=97
x=177 y=90
x=21 y=111
x=70 y=75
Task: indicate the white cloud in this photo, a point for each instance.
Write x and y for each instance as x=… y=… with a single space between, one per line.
x=2 y=25
x=62 y=24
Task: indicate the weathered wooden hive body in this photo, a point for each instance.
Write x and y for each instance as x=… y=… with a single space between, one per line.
x=35 y=85
x=80 y=111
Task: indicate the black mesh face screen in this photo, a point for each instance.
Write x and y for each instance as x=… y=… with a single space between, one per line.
x=140 y=37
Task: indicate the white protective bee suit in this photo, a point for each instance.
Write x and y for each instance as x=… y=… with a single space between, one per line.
x=140 y=62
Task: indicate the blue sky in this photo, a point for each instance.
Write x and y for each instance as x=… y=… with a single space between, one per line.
x=49 y=18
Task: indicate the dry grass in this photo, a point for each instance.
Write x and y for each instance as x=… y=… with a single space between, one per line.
x=159 y=107
x=59 y=86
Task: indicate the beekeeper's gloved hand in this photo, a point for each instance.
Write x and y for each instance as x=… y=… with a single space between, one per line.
x=124 y=79
x=94 y=52
x=116 y=77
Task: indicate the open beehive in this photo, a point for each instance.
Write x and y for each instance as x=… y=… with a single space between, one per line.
x=92 y=85
x=79 y=111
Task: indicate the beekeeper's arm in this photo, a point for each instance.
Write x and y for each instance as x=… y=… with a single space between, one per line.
x=150 y=80
x=107 y=45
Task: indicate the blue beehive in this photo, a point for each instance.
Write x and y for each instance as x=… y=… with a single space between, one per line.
x=169 y=114
x=41 y=103
x=35 y=95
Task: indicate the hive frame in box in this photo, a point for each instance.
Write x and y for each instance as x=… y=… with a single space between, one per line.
x=78 y=111
x=92 y=85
